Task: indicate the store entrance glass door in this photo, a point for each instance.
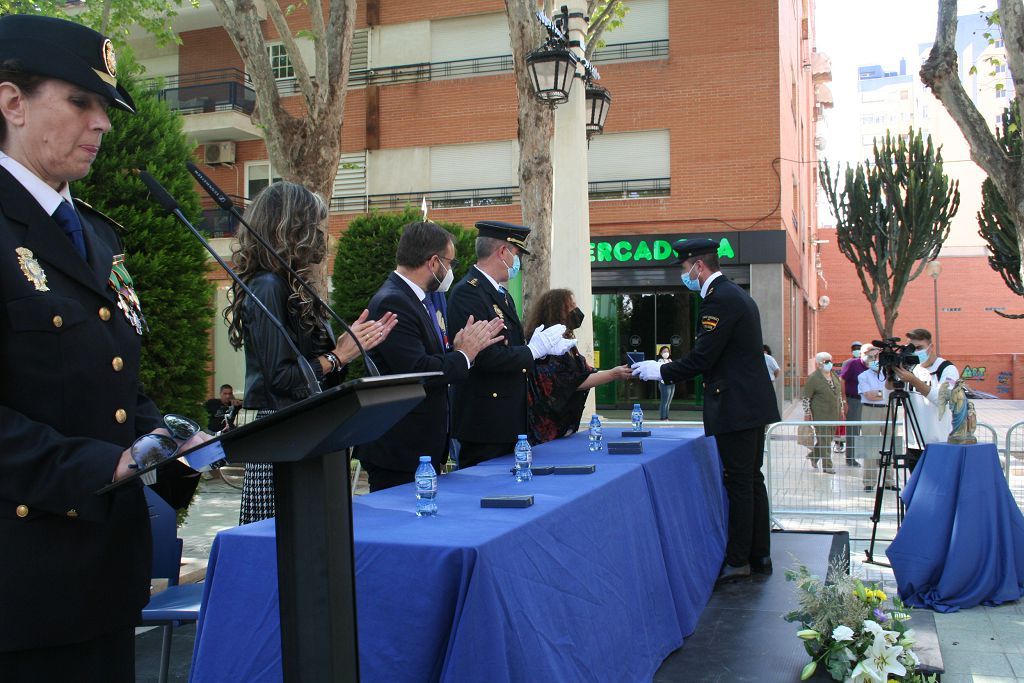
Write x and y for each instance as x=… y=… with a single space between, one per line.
x=644 y=322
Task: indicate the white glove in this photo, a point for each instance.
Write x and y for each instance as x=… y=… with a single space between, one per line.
x=546 y=341
x=561 y=346
x=647 y=370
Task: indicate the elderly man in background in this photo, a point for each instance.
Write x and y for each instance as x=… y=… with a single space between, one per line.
x=823 y=402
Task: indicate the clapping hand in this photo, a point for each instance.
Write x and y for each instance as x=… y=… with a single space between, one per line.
x=369 y=332
x=477 y=336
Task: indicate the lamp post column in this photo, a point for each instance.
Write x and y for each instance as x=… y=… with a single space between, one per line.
x=570 y=216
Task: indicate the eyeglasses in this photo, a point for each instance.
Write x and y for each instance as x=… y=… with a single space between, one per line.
x=150 y=449
x=452 y=262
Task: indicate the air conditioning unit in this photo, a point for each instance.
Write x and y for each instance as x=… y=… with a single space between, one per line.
x=219 y=153
x=819 y=143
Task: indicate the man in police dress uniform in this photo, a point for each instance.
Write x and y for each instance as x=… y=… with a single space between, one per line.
x=739 y=400
x=77 y=566
x=489 y=409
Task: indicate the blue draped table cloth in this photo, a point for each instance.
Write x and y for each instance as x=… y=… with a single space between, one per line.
x=962 y=539
x=600 y=579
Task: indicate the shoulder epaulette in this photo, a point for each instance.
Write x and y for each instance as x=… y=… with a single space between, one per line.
x=120 y=228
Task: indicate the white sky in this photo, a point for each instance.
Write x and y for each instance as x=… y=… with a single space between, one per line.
x=862 y=33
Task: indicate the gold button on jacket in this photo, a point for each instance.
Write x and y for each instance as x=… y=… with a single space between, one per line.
x=57 y=321
x=120 y=415
x=104 y=313
x=21 y=510
x=117 y=363
x=72 y=513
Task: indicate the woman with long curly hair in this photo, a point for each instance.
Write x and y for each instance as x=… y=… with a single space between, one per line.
x=293 y=221
x=558 y=390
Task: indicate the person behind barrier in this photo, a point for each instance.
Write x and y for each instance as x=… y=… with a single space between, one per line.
x=923 y=382
x=850 y=371
x=76 y=569
x=739 y=400
x=222 y=410
x=823 y=402
x=871 y=389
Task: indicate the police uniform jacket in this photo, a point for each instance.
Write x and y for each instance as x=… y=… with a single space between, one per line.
x=490 y=407
x=728 y=352
x=414 y=346
x=76 y=565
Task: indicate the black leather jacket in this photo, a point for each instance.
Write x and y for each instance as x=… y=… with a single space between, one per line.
x=273 y=379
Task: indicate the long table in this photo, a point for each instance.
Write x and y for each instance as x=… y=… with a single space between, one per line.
x=600 y=579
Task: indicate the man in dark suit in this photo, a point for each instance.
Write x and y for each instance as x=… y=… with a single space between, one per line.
x=420 y=343
x=739 y=400
x=490 y=407
x=77 y=567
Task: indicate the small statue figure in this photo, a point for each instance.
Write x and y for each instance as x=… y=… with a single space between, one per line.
x=965 y=420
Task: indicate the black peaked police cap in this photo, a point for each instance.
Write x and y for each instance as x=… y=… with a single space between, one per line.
x=686 y=249
x=506 y=232
x=64 y=50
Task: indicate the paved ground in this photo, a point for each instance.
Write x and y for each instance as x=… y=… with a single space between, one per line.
x=983 y=645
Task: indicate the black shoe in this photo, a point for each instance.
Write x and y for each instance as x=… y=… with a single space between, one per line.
x=890 y=487
x=869 y=488
x=761 y=565
x=730 y=573
x=852 y=463
x=828 y=471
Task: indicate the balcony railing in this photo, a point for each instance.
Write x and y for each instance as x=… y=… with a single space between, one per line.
x=207 y=91
x=494 y=196
x=219 y=223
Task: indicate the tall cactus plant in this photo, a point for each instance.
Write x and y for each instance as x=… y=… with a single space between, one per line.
x=892 y=216
x=995 y=221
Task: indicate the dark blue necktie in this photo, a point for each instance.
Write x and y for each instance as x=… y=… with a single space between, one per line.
x=67 y=218
x=432 y=312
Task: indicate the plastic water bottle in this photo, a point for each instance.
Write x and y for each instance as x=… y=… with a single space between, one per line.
x=595 y=434
x=426 y=488
x=637 y=418
x=524 y=459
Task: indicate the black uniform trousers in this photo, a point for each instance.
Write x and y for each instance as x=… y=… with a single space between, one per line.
x=742 y=455
x=107 y=659
x=473 y=453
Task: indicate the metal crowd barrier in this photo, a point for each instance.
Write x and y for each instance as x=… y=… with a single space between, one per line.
x=1013 y=461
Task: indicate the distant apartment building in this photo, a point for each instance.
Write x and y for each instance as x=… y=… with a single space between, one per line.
x=962 y=300
x=711 y=132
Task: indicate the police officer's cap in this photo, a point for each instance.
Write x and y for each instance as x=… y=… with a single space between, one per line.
x=506 y=232
x=64 y=50
x=687 y=249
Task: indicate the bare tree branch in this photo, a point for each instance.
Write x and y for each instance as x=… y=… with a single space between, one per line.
x=298 y=63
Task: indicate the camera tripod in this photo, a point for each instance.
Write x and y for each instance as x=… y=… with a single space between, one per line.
x=899 y=398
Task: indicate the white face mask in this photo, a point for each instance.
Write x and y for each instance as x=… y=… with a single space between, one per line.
x=446 y=282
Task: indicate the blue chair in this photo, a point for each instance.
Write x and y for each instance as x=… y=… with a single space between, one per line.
x=177 y=604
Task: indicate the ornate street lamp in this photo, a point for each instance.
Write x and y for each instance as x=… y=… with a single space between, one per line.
x=552 y=70
x=599 y=100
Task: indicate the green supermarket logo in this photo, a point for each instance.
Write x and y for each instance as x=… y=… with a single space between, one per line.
x=645 y=250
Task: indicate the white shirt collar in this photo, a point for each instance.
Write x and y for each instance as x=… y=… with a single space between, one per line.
x=49 y=199
x=416 y=289
x=704 y=287
x=494 y=283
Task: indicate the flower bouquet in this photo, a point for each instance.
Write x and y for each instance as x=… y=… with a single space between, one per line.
x=853 y=630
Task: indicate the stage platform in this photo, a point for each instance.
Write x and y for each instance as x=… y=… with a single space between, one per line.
x=741 y=635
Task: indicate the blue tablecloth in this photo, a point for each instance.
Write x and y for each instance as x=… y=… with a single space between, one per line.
x=601 y=579
x=962 y=540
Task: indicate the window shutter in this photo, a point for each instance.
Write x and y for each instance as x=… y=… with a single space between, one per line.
x=629 y=156
x=477 y=165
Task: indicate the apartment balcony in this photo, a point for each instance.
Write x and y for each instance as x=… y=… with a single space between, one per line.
x=216 y=104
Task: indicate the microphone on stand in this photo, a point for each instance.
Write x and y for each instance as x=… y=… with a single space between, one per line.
x=224 y=202
x=164 y=199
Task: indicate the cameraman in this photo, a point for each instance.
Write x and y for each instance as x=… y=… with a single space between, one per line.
x=923 y=383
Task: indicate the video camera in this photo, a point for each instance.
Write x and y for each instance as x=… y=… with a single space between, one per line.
x=892 y=355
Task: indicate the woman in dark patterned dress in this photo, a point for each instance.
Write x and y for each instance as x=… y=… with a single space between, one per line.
x=293 y=221
x=559 y=386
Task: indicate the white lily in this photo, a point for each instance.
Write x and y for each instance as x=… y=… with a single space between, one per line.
x=842 y=633
x=880 y=661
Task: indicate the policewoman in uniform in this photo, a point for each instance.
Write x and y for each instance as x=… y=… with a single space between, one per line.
x=76 y=566
x=739 y=399
x=489 y=408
